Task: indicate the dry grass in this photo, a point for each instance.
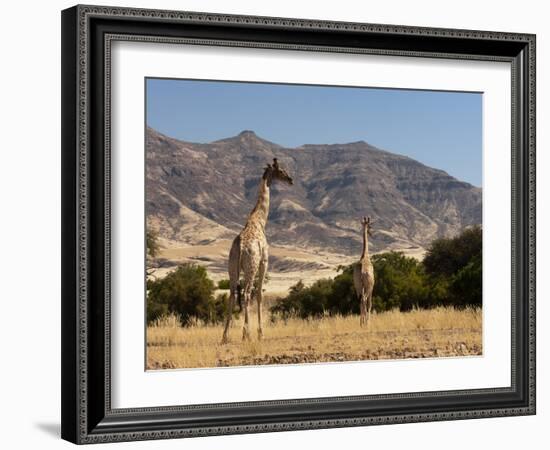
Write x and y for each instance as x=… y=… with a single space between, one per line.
x=389 y=335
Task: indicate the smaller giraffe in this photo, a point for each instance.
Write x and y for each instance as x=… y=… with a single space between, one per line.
x=363 y=275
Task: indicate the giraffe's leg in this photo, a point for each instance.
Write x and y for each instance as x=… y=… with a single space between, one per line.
x=363 y=306
x=369 y=306
x=247 y=293
x=229 y=313
x=246 y=305
x=234 y=270
x=250 y=258
x=259 y=294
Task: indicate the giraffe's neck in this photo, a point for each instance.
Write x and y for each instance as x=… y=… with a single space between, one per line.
x=261 y=210
x=365 y=254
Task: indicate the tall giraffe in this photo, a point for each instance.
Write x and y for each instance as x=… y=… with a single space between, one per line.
x=363 y=275
x=249 y=253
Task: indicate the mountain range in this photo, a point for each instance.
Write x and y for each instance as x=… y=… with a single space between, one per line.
x=197 y=193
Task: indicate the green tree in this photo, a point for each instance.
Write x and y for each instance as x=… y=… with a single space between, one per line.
x=187 y=292
x=455 y=265
x=342 y=298
x=304 y=301
x=450 y=275
x=223 y=284
x=445 y=257
x=466 y=285
x=152 y=243
x=400 y=282
x=153 y=249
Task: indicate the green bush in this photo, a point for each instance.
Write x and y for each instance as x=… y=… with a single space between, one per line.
x=152 y=243
x=155 y=309
x=342 y=298
x=223 y=284
x=457 y=264
x=466 y=285
x=446 y=257
x=400 y=282
x=450 y=275
x=304 y=301
x=186 y=292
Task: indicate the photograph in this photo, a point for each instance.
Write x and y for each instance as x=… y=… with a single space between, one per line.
x=297 y=223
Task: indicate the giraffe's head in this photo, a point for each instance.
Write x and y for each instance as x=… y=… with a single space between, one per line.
x=367 y=225
x=275 y=172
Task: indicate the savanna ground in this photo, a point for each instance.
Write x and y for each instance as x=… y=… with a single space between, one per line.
x=439 y=332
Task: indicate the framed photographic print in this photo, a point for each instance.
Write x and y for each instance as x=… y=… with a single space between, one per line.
x=279 y=224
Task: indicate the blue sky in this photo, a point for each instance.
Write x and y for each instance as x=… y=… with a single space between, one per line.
x=440 y=129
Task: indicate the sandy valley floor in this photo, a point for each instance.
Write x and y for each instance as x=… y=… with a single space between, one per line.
x=287 y=265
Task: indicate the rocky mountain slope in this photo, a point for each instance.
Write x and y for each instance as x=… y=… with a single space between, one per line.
x=199 y=193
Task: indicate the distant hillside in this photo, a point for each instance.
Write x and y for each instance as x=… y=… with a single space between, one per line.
x=198 y=193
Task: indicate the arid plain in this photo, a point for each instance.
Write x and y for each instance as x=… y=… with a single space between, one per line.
x=440 y=332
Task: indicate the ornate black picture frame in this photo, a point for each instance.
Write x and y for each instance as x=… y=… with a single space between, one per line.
x=87 y=34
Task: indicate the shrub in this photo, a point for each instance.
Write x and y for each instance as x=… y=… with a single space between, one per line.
x=186 y=292
x=152 y=243
x=446 y=257
x=223 y=284
x=455 y=265
x=304 y=301
x=466 y=285
x=342 y=298
x=400 y=282
x=155 y=310
x=450 y=275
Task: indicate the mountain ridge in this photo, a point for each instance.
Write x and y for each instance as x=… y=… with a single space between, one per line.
x=335 y=185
